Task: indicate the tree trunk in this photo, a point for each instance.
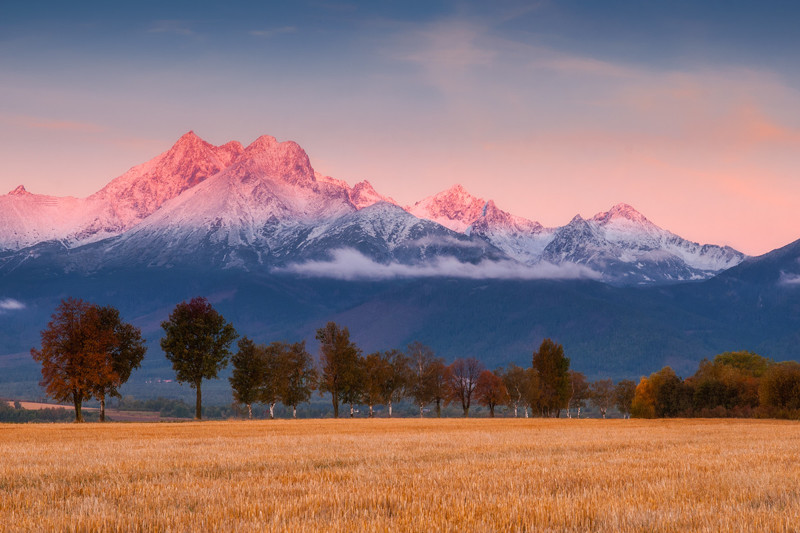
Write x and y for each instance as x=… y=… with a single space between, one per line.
x=491 y=411
x=351 y=410
x=371 y=414
x=76 y=400
x=102 y=408
x=250 y=411
x=438 y=408
x=526 y=411
x=466 y=411
x=515 y=410
x=420 y=410
x=272 y=410
x=294 y=411
x=198 y=406
x=390 y=408
x=335 y=400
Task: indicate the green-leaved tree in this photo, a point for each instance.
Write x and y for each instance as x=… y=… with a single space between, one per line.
x=197 y=342
x=552 y=369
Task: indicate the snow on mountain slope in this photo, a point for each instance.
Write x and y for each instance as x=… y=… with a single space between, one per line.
x=386 y=232
x=265 y=205
x=362 y=194
x=27 y=219
x=144 y=188
x=621 y=243
x=454 y=208
x=520 y=238
x=267 y=196
x=630 y=249
x=625 y=226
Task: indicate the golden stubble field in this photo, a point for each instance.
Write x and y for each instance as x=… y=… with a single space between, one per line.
x=402 y=475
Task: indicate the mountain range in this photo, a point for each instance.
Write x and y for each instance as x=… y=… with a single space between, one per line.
x=280 y=249
x=265 y=207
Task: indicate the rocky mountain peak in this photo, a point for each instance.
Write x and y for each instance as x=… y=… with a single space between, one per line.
x=363 y=194
x=269 y=158
x=621 y=212
x=454 y=208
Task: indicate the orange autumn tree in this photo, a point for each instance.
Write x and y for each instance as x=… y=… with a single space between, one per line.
x=490 y=391
x=644 y=401
x=75 y=353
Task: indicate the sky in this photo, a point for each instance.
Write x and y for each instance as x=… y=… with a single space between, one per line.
x=689 y=111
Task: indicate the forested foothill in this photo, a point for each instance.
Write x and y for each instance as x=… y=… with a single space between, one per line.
x=88 y=352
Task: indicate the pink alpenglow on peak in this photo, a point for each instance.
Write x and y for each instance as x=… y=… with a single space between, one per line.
x=268 y=199
x=363 y=194
x=286 y=161
x=621 y=211
x=455 y=208
x=27 y=219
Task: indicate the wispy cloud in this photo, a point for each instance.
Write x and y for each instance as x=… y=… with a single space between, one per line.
x=271 y=32
x=445 y=240
x=789 y=279
x=176 y=27
x=349 y=264
x=10 y=304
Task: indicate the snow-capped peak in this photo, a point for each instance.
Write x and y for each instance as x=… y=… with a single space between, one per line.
x=621 y=211
x=454 y=208
x=285 y=160
x=363 y=194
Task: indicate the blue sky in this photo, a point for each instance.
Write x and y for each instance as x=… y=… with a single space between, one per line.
x=687 y=110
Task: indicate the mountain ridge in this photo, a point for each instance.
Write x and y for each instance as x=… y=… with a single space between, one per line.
x=265 y=197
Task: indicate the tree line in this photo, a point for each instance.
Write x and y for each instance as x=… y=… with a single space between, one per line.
x=89 y=352
x=733 y=384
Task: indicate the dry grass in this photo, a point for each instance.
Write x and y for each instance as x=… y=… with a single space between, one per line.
x=402 y=475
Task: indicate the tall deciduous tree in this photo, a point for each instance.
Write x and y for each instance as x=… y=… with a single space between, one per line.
x=421 y=358
x=578 y=392
x=644 y=401
x=73 y=354
x=248 y=373
x=273 y=374
x=779 y=390
x=438 y=384
x=197 y=342
x=463 y=378
x=395 y=386
x=339 y=358
x=517 y=383
x=552 y=369
x=299 y=376
x=602 y=395
x=125 y=350
x=376 y=372
x=490 y=391
x=624 y=392
x=672 y=397
x=87 y=351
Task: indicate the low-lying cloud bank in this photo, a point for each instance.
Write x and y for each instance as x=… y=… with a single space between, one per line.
x=10 y=304
x=789 y=279
x=349 y=264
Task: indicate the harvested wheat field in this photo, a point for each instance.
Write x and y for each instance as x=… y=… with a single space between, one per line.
x=402 y=475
